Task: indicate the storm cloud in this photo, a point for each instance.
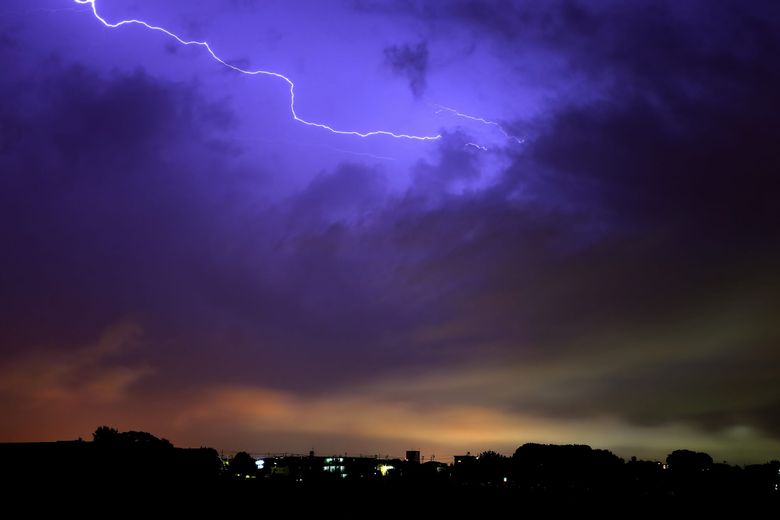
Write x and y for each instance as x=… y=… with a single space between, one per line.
x=610 y=280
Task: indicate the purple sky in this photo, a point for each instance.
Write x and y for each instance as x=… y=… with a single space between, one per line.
x=179 y=255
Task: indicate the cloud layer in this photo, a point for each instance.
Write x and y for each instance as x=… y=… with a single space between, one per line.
x=612 y=280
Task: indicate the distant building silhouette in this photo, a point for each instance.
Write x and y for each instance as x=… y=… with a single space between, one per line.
x=465 y=460
x=413 y=456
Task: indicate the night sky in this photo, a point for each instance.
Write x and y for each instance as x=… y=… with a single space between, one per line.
x=596 y=260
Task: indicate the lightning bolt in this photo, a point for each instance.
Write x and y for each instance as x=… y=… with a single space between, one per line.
x=442 y=108
x=258 y=72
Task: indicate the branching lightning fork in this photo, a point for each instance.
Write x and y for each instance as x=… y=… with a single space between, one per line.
x=442 y=108
x=205 y=45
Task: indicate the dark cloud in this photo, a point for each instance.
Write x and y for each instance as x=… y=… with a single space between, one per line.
x=99 y=213
x=410 y=61
x=633 y=225
x=627 y=251
x=498 y=19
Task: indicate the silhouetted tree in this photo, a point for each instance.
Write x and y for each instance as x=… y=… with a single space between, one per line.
x=688 y=461
x=492 y=467
x=197 y=464
x=132 y=456
x=644 y=477
x=567 y=469
x=144 y=439
x=689 y=472
x=105 y=435
x=490 y=455
x=242 y=464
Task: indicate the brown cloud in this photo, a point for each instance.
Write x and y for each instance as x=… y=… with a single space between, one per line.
x=51 y=393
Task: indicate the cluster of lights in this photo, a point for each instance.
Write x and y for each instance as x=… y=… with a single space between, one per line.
x=384 y=469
